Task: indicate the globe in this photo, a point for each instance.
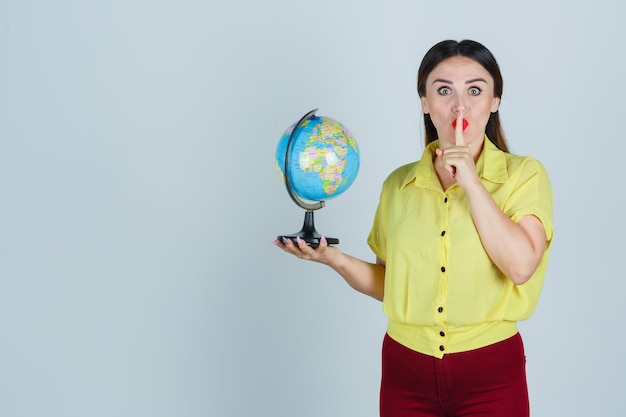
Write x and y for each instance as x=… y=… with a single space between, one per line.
x=324 y=158
x=317 y=159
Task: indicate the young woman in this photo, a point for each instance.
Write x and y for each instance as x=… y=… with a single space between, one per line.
x=461 y=239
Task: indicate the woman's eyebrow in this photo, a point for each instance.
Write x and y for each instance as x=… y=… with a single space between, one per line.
x=476 y=80
x=473 y=80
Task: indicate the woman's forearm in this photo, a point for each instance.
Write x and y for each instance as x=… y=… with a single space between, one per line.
x=515 y=248
x=365 y=277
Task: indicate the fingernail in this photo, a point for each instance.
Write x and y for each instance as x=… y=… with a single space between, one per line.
x=285 y=240
x=274 y=242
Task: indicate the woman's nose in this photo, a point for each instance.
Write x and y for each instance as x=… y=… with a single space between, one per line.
x=459 y=106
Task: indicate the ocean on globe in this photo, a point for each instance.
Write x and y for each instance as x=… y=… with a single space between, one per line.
x=324 y=159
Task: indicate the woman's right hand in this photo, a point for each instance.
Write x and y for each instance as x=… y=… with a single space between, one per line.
x=323 y=254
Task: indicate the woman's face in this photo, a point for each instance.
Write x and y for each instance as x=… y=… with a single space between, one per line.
x=459 y=84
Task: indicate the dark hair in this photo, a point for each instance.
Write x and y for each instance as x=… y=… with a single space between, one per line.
x=482 y=55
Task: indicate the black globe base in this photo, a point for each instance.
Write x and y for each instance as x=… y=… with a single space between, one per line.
x=308 y=233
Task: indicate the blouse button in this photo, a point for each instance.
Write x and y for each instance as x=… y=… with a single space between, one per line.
x=443 y=269
x=442 y=334
x=443 y=233
x=442 y=348
x=440 y=309
x=445 y=200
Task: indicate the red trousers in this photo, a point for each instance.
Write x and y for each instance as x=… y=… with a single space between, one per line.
x=487 y=382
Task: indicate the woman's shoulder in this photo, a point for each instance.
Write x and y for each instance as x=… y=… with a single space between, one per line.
x=517 y=161
x=399 y=174
x=524 y=167
x=403 y=170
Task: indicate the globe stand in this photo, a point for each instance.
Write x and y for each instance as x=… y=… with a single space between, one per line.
x=308 y=233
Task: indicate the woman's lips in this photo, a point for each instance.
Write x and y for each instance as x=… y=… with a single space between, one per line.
x=465 y=123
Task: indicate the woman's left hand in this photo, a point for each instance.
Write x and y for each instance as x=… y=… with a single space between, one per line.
x=458 y=159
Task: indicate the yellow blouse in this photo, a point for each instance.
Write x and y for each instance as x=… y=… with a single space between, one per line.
x=443 y=294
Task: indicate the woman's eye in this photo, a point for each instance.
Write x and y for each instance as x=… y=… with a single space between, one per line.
x=444 y=91
x=474 y=91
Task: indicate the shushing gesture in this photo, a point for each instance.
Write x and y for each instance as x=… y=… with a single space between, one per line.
x=458 y=159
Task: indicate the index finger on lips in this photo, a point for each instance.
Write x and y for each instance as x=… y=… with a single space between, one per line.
x=458 y=130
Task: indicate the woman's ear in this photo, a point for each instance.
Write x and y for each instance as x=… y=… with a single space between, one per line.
x=495 y=104
x=424 y=105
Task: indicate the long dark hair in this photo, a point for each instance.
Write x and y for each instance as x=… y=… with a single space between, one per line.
x=482 y=55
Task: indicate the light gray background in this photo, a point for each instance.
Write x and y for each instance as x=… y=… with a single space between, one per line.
x=139 y=198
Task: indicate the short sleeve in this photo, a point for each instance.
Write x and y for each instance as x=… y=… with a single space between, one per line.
x=532 y=195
